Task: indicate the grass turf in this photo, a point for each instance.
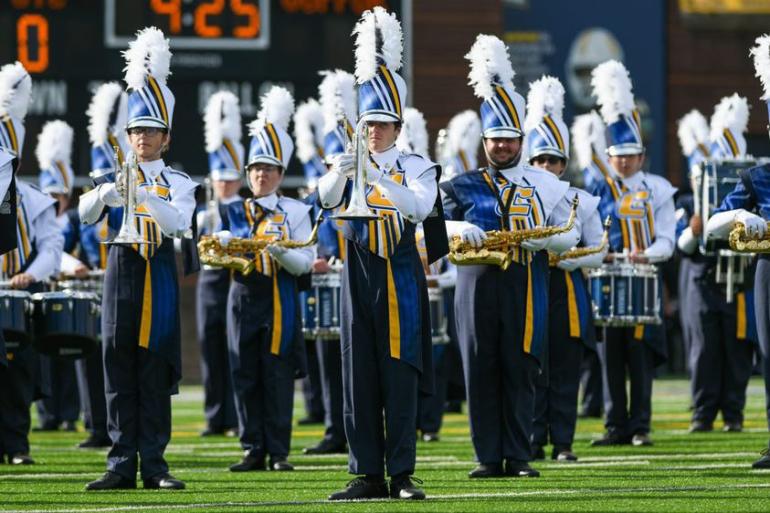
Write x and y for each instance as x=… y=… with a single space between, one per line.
x=681 y=472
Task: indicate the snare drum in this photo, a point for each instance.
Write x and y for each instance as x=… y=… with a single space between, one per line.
x=15 y=306
x=438 y=320
x=66 y=323
x=321 y=307
x=625 y=294
x=94 y=282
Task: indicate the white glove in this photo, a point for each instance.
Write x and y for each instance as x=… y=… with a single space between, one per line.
x=109 y=195
x=755 y=225
x=473 y=235
x=224 y=237
x=276 y=251
x=373 y=174
x=568 y=264
x=447 y=279
x=141 y=195
x=534 y=245
x=344 y=164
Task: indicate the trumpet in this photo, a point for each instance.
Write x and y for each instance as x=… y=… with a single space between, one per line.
x=357 y=209
x=740 y=242
x=126 y=184
x=236 y=255
x=498 y=247
x=554 y=259
x=212 y=210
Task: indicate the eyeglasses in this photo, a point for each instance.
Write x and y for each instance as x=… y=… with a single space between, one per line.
x=264 y=169
x=146 y=130
x=547 y=159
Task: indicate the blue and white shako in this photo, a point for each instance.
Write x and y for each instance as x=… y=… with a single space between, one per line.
x=107 y=116
x=270 y=140
x=614 y=92
x=223 y=132
x=150 y=101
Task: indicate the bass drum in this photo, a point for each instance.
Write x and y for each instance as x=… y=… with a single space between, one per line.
x=66 y=324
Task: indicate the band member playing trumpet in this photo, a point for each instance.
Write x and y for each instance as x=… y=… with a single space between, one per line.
x=267 y=351
x=743 y=215
x=501 y=310
x=641 y=206
x=140 y=305
x=36 y=256
x=386 y=343
x=570 y=324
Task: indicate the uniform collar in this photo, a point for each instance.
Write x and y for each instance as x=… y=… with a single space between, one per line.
x=386 y=159
x=634 y=181
x=230 y=199
x=512 y=174
x=153 y=168
x=268 y=202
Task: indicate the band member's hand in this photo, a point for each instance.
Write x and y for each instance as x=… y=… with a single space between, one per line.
x=568 y=264
x=224 y=237
x=638 y=257
x=755 y=225
x=22 y=281
x=109 y=194
x=320 y=266
x=696 y=225
x=141 y=195
x=80 y=271
x=373 y=174
x=474 y=236
x=344 y=164
x=534 y=244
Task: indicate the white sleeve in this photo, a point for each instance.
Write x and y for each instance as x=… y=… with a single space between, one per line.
x=298 y=260
x=720 y=225
x=416 y=200
x=592 y=233
x=331 y=187
x=687 y=242
x=560 y=215
x=90 y=207
x=49 y=243
x=69 y=263
x=665 y=233
x=6 y=173
x=174 y=217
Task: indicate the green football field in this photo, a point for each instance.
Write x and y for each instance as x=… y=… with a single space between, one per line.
x=681 y=472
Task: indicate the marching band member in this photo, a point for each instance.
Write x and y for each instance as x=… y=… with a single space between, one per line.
x=35 y=259
x=337 y=96
x=501 y=314
x=590 y=146
x=308 y=134
x=140 y=304
x=267 y=350
x=720 y=355
x=386 y=343
x=570 y=323
x=643 y=225
x=107 y=114
x=222 y=130
x=54 y=151
x=462 y=143
x=749 y=205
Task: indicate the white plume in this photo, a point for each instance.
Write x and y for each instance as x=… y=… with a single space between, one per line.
x=588 y=138
x=463 y=133
x=761 y=55
x=107 y=112
x=613 y=90
x=308 y=129
x=15 y=91
x=413 y=137
x=337 y=95
x=490 y=65
x=277 y=108
x=222 y=120
x=54 y=144
x=148 y=54
x=545 y=97
x=731 y=112
x=693 y=130
x=379 y=40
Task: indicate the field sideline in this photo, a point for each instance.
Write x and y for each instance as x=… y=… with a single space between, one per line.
x=681 y=472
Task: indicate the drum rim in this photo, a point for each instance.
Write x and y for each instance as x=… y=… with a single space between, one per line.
x=15 y=293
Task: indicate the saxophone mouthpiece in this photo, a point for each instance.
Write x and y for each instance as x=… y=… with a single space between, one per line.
x=607 y=223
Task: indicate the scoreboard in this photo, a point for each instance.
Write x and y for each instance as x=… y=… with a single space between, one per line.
x=72 y=46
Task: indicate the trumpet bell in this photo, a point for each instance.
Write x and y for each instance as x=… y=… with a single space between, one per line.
x=128 y=235
x=356 y=214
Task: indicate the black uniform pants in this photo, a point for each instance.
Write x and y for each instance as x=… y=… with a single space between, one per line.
x=330 y=367
x=18 y=386
x=90 y=376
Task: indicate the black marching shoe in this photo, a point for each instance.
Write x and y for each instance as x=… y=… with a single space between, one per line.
x=47 y=426
x=589 y=413
x=537 y=452
x=210 y=431
x=733 y=427
x=163 y=481
x=249 y=464
x=485 y=470
x=514 y=468
x=368 y=487
x=69 y=426
x=326 y=446
x=280 y=464
x=402 y=487
x=111 y=481
x=430 y=436
x=611 y=438
x=563 y=453
x=701 y=426
x=641 y=440
x=95 y=442
x=21 y=459
x=764 y=461
x=309 y=421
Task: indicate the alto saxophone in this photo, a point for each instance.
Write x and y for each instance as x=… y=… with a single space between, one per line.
x=241 y=254
x=554 y=259
x=740 y=242
x=498 y=247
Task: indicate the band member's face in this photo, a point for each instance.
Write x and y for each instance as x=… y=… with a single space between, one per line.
x=148 y=142
x=551 y=163
x=382 y=135
x=502 y=152
x=627 y=165
x=264 y=179
x=226 y=188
